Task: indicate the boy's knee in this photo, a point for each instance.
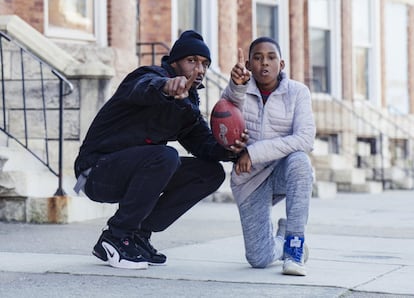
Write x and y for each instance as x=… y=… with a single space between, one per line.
x=299 y=164
x=257 y=261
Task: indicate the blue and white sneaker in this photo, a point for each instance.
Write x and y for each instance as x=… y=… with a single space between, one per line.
x=119 y=253
x=281 y=233
x=293 y=263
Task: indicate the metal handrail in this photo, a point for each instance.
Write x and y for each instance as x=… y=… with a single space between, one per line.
x=153 y=50
x=374 y=124
x=9 y=101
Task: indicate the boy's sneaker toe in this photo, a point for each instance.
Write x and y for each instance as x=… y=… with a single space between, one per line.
x=290 y=267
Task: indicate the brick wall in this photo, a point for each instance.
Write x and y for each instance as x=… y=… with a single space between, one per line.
x=297 y=40
x=244 y=24
x=29 y=10
x=227 y=30
x=154 y=25
x=6 y=6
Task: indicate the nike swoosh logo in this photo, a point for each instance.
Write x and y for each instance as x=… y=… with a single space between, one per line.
x=111 y=253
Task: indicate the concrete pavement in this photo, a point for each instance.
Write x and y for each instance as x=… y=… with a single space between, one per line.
x=360 y=246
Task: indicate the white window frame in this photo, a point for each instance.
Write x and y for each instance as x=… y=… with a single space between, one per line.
x=209 y=26
x=374 y=58
x=100 y=26
x=392 y=108
x=334 y=21
x=283 y=25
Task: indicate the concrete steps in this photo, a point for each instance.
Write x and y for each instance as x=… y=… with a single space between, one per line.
x=27 y=193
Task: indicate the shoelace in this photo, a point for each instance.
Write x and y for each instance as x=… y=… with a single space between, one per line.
x=296 y=253
x=153 y=250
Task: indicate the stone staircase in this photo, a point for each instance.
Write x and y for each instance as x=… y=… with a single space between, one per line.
x=27 y=190
x=336 y=173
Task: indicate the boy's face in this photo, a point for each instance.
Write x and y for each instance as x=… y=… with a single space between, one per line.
x=265 y=64
x=186 y=66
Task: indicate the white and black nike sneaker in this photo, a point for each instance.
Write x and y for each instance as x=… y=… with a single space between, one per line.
x=119 y=253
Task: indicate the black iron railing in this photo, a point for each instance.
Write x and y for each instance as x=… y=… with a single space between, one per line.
x=32 y=94
x=154 y=50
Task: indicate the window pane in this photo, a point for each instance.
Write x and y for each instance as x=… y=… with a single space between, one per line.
x=72 y=14
x=320 y=61
x=361 y=72
x=189 y=15
x=267 y=20
x=318 y=13
x=397 y=57
x=361 y=28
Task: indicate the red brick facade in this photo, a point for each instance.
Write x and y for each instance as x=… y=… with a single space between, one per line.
x=29 y=10
x=154 y=25
x=235 y=29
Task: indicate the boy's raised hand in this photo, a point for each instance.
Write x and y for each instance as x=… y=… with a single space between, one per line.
x=239 y=74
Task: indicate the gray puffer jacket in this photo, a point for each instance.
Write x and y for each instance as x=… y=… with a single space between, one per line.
x=285 y=124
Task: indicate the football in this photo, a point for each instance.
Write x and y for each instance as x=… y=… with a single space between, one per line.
x=227 y=123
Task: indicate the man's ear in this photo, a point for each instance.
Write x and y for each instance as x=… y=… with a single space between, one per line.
x=282 y=64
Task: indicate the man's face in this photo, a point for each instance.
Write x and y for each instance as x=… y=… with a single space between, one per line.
x=186 y=66
x=265 y=64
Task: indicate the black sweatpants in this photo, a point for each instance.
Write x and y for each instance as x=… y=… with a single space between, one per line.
x=153 y=185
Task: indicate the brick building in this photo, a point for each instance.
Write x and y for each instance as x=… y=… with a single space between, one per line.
x=353 y=54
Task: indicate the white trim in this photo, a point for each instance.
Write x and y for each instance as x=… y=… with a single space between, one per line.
x=174 y=21
x=209 y=27
x=374 y=56
x=334 y=28
x=283 y=26
x=375 y=60
x=336 y=58
x=100 y=26
x=284 y=32
x=101 y=22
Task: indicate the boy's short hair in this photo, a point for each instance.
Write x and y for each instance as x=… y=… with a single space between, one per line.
x=264 y=39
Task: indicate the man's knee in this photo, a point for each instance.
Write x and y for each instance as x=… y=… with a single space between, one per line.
x=166 y=156
x=214 y=171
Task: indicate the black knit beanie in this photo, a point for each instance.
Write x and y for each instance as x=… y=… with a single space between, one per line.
x=190 y=43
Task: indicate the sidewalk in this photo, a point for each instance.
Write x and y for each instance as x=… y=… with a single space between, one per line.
x=360 y=246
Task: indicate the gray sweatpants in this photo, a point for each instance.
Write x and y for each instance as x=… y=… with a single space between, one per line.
x=292 y=178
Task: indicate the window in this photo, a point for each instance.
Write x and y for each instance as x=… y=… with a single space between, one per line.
x=396 y=57
x=76 y=19
x=267 y=20
x=362 y=52
x=320 y=40
x=189 y=15
x=198 y=15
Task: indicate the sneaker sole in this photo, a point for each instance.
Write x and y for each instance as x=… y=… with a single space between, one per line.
x=114 y=259
x=157 y=264
x=293 y=269
x=305 y=253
